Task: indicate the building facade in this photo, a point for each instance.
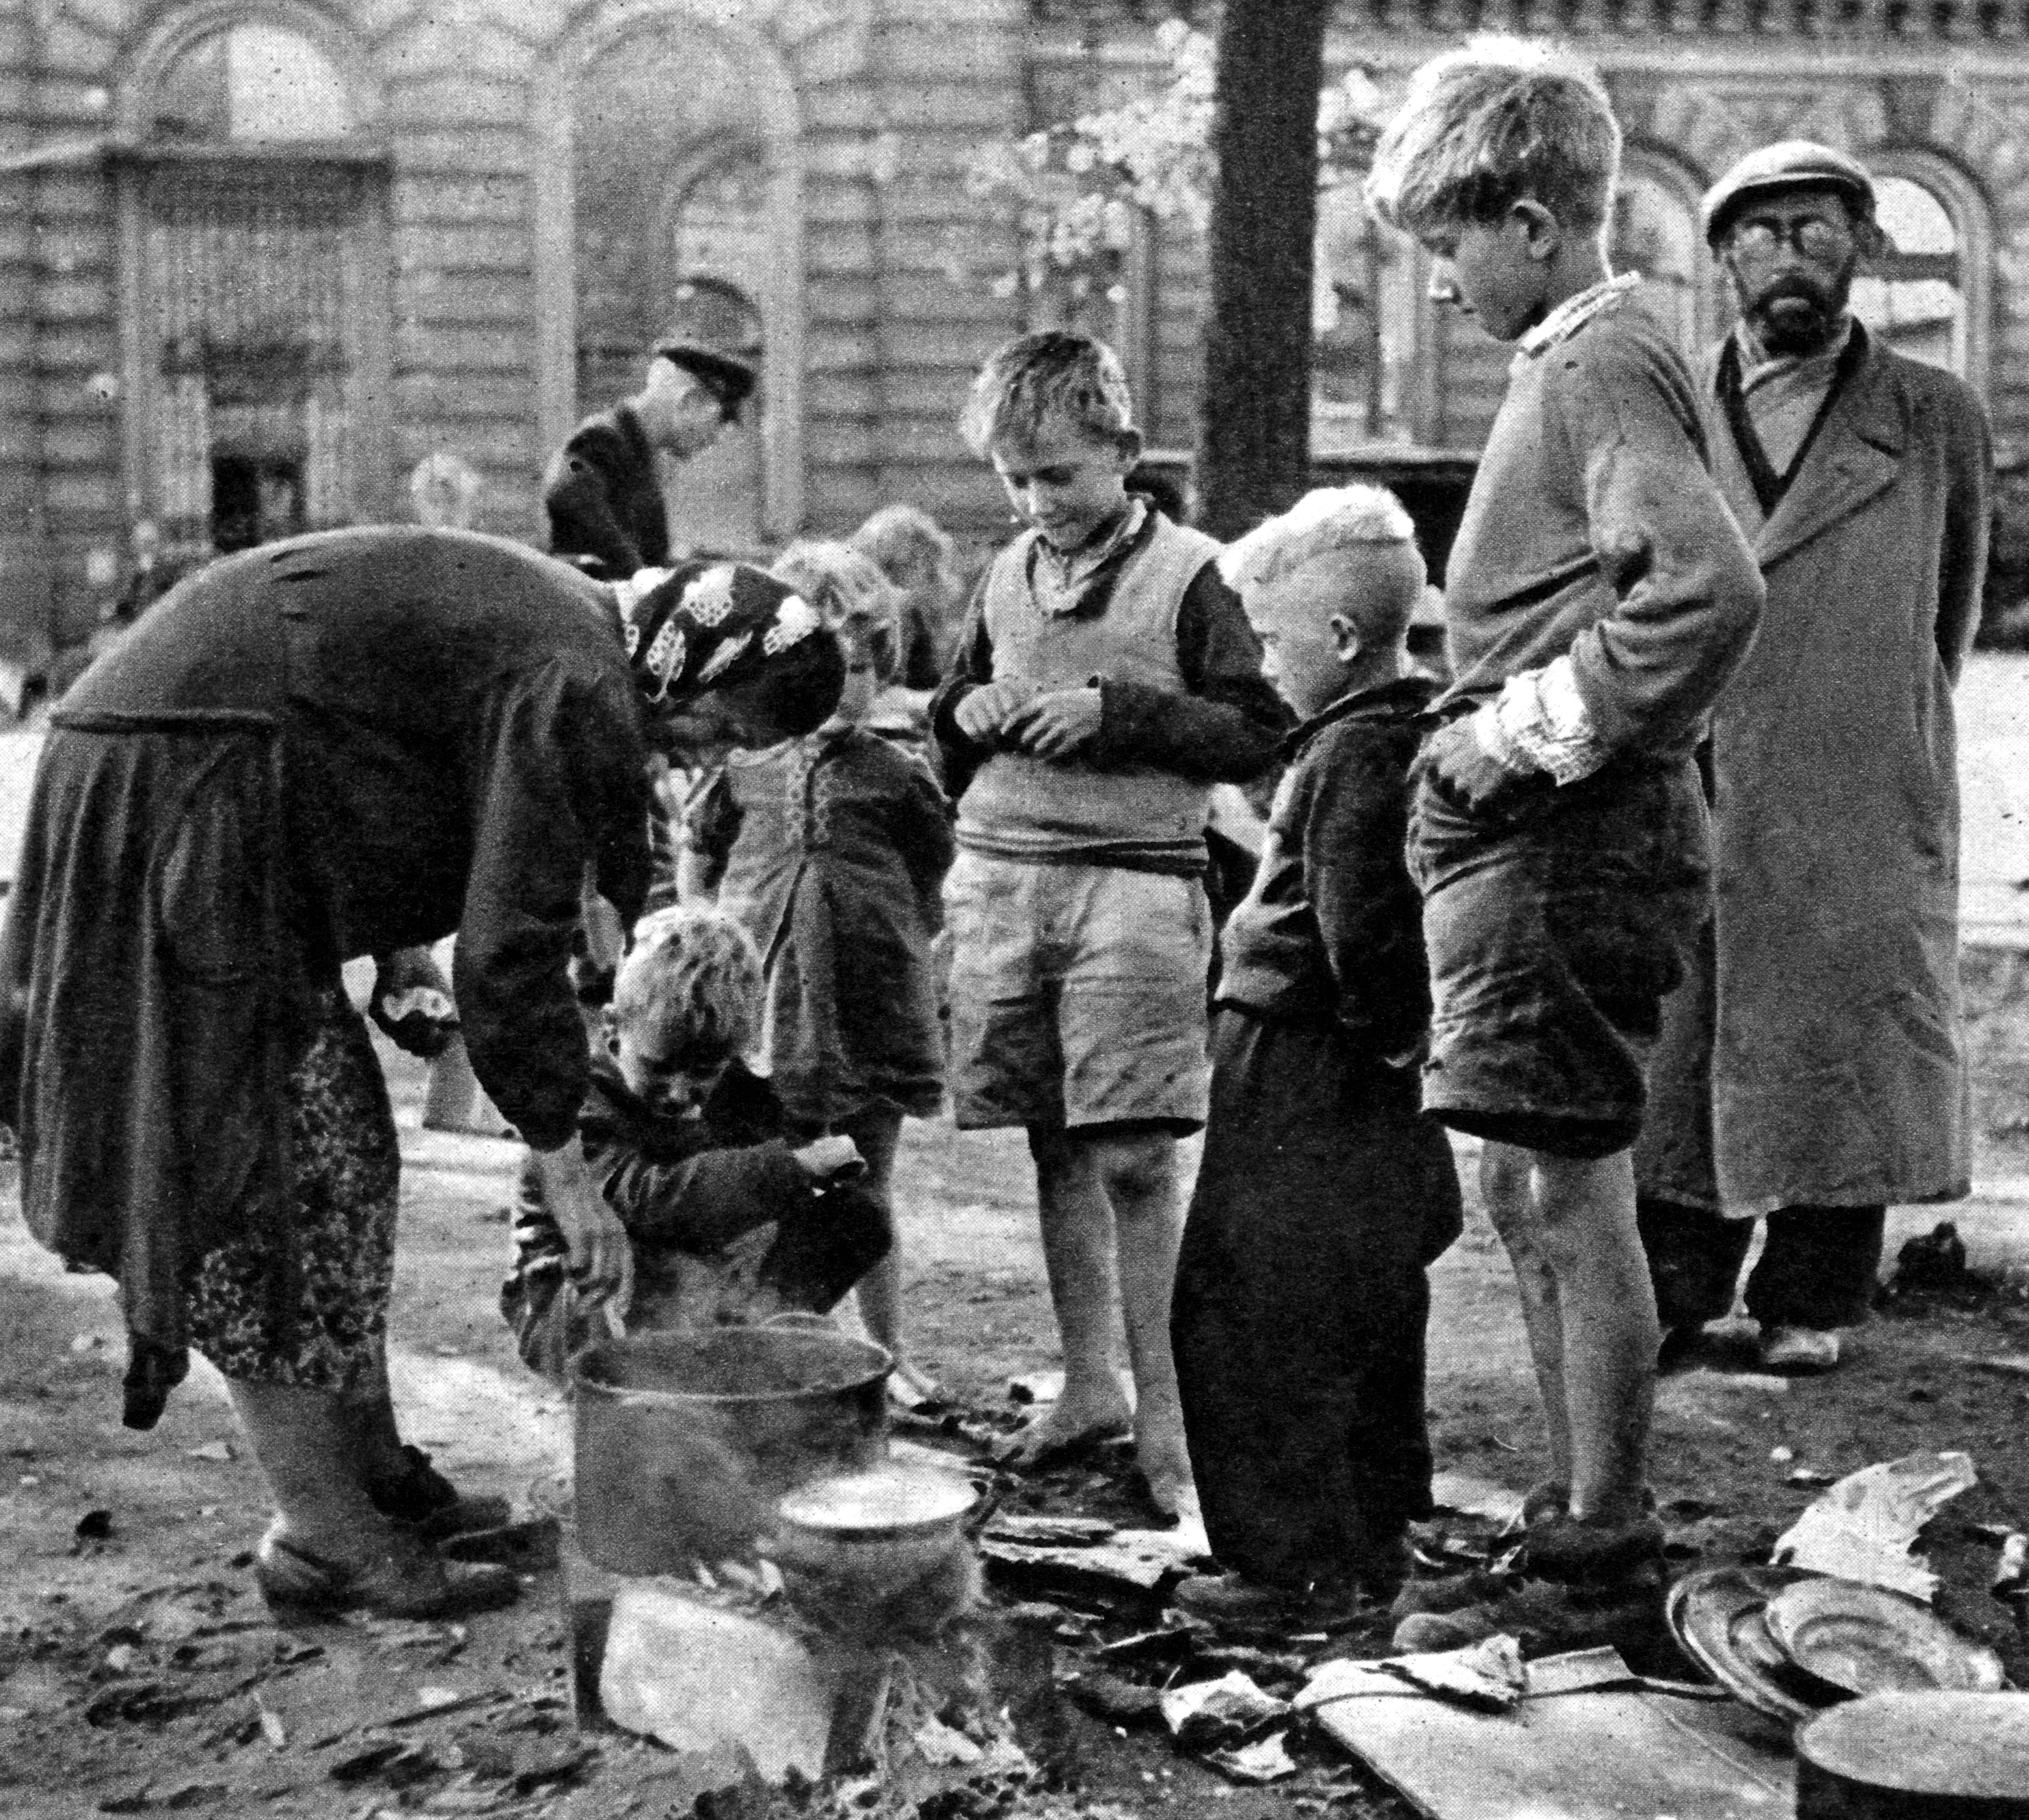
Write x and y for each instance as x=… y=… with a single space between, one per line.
x=257 y=258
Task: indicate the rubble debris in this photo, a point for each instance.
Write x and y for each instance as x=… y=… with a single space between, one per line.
x=1466 y=1495
x=1230 y=1711
x=1579 y=1671
x=1267 y=1760
x=1050 y=1532
x=216 y=1452
x=1114 y=1698
x=1863 y=1529
x=1127 y=1563
x=1176 y=1640
x=2011 y=1573
x=271 y=1727
x=1607 y=1751
x=1487 y=1677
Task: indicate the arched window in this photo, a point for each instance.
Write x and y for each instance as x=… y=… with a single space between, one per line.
x=1914 y=297
x=251 y=82
x=671 y=184
x=256 y=307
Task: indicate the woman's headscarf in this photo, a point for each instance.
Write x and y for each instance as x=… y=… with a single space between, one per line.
x=716 y=627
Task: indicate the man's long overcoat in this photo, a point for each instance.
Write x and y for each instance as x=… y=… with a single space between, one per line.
x=1814 y=1057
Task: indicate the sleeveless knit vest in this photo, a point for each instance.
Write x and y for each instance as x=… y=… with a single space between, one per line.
x=1020 y=807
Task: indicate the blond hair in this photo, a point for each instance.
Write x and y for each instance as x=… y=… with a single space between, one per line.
x=844 y=584
x=1323 y=522
x=1500 y=121
x=692 y=977
x=1049 y=373
x=910 y=544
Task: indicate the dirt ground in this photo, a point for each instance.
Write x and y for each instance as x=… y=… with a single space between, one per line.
x=139 y=1673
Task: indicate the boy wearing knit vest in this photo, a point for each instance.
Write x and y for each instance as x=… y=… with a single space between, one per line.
x=1106 y=680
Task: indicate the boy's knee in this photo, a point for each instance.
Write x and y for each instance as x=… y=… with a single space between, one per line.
x=1137 y=1168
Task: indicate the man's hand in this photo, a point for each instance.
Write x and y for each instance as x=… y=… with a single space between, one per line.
x=602 y=1260
x=831 y=1159
x=412 y=1003
x=1471 y=779
x=982 y=714
x=1058 y=724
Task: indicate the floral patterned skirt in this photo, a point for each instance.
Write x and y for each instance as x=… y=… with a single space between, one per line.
x=346 y=1167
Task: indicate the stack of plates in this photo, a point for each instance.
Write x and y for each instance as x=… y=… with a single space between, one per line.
x=1790 y=1644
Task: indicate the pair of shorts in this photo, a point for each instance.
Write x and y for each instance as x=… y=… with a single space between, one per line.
x=1077 y=996
x=1554 y=932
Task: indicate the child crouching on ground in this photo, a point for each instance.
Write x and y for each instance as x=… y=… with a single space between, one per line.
x=727 y=1222
x=1324 y=1193
x=1597 y=598
x=1106 y=680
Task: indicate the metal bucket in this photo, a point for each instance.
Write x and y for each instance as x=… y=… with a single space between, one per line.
x=685 y=1441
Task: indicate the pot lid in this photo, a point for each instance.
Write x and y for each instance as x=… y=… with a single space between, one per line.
x=883 y=1501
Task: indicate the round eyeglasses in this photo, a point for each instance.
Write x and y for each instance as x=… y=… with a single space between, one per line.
x=1814 y=237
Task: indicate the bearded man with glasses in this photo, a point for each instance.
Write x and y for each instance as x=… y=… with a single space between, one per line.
x=1812 y=1070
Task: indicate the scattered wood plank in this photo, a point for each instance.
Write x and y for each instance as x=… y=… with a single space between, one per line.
x=1594 y=1756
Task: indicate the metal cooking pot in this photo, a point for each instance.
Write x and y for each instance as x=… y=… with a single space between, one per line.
x=685 y=1441
x=891 y=1544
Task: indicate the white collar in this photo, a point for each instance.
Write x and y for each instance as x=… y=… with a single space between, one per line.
x=1575 y=313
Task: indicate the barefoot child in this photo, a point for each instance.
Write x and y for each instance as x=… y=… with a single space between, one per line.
x=1597 y=598
x=830 y=850
x=1324 y=1192
x=1105 y=679
x=725 y=1220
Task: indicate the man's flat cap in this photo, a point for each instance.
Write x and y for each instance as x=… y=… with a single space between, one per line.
x=728 y=379
x=1788 y=165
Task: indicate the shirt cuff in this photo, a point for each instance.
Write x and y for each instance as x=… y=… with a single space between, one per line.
x=1541 y=718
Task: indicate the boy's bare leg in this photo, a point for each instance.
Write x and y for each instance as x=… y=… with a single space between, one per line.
x=879 y=1293
x=1583 y=1220
x=1506 y=1181
x=1077 y=1219
x=1139 y=1174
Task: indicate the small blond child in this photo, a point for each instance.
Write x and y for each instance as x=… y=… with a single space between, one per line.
x=1325 y=1193
x=1105 y=679
x=916 y=554
x=1598 y=597
x=830 y=851
x=726 y=1221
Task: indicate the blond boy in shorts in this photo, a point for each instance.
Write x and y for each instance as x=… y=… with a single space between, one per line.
x=1106 y=679
x=1598 y=597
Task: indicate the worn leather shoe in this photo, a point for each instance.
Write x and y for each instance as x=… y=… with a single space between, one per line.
x=421 y=1497
x=406 y=1581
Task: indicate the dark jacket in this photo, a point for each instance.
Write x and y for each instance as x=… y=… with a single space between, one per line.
x=337 y=745
x=604 y=496
x=1332 y=932
x=676 y=1183
x=687 y=1188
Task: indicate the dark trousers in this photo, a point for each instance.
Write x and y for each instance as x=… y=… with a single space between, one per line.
x=1817 y=1269
x=1301 y=1301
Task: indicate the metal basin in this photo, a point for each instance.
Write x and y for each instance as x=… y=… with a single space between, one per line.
x=685 y=1441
